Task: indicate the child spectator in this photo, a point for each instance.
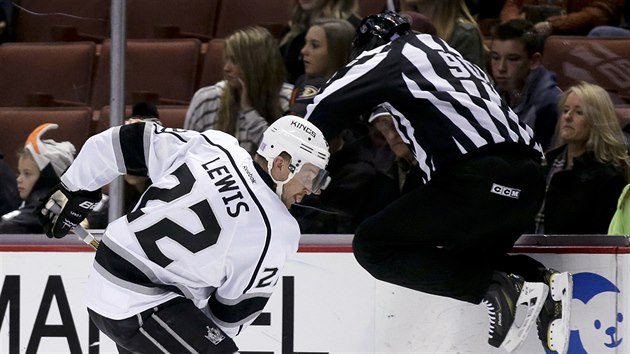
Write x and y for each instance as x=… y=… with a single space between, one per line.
x=40 y=164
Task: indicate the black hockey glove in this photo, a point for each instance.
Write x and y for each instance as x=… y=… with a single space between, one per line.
x=62 y=210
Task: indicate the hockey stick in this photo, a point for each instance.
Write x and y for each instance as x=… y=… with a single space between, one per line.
x=79 y=230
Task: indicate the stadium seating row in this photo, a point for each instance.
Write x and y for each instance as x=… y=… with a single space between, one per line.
x=76 y=124
x=169 y=71
x=71 y=20
x=602 y=61
x=78 y=73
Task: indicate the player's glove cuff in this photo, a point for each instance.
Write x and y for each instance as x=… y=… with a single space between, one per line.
x=62 y=209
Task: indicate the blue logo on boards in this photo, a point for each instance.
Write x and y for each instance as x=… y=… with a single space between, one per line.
x=593 y=329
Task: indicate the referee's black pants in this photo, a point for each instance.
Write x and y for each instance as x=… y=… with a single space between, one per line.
x=448 y=236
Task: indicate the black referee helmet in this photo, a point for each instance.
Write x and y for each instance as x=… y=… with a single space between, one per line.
x=376 y=30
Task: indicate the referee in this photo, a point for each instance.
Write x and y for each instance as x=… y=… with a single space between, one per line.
x=480 y=169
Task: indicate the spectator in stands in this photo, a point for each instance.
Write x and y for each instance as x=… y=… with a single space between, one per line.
x=303 y=13
x=528 y=87
x=565 y=17
x=623 y=30
x=9 y=197
x=327 y=48
x=454 y=24
x=144 y=111
x=620 y=223
x=40 y=164
x=587 y=172
x=251 y=96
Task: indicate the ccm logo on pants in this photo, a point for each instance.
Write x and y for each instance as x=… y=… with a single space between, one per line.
x=505 y=191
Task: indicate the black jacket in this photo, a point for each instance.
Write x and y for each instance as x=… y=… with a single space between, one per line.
x=9 y=197
x=582 y=200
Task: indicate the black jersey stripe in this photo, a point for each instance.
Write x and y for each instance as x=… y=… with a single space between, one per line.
x=236 y=312
x=132 y=142
x=125 y=270
x=407 y=132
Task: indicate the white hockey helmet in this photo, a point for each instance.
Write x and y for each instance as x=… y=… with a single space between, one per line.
x=304 y=142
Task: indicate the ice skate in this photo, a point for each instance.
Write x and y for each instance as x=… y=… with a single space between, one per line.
x=504 y=297
x=554 y=320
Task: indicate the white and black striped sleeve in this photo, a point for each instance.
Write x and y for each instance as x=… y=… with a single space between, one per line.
x=107 y=155
x=354 y=90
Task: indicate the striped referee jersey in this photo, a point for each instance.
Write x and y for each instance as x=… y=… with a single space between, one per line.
x=443 y=106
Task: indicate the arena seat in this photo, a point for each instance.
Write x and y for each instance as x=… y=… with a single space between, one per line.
x=597 y=60
x=159 y=71
x=623 y=114
x=171 y=116
x=371 y=7
x=18 y=122
x=171 y=19
x=212 y=64
x=62 y=20
x=60 y=71
x=238 y=14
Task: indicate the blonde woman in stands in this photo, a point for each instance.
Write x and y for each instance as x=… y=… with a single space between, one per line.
x=588 y=170
x=251 y=96
x=454 y=24
x=303 y=13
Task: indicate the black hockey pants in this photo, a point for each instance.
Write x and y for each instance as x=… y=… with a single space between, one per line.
x=448 y=236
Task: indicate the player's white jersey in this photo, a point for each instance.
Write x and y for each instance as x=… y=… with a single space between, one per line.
x=209 y=228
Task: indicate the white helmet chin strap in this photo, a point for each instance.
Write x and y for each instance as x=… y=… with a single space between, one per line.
x=279 y=184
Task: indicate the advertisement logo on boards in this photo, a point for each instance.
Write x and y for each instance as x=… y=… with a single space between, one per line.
x=594 y=327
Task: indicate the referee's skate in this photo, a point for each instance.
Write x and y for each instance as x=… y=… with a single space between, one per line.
x=507 y=298
x=554 y=320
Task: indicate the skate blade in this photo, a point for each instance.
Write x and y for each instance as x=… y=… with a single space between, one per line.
x=561 y=286
x=533 y=297
x=559 y=330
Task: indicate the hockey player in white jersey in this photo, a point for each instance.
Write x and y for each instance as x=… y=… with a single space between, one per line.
x=197 y=259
